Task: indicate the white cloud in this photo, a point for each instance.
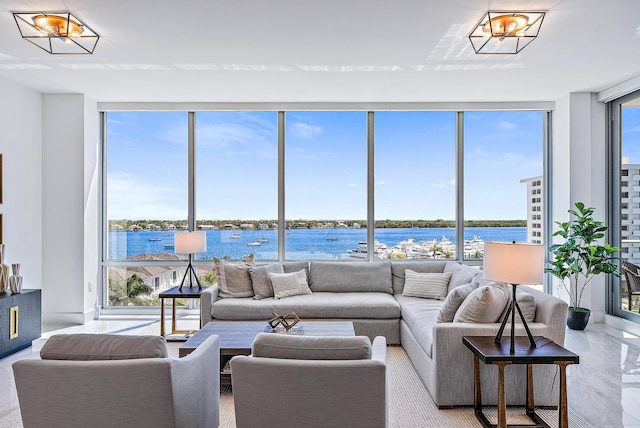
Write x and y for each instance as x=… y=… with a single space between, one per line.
x=381 y=183
x=506 y=125
x=304 y=130
x=133 y=198
x=352 y=185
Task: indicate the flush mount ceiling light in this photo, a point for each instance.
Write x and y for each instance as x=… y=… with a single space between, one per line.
x=505 y=32
x=56 y=32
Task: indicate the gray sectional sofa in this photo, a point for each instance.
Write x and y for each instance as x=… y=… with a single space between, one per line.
x=370 y=294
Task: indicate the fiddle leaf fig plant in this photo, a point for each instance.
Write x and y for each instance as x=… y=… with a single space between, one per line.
x=582 y=255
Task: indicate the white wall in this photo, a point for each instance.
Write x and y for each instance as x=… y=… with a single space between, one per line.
x=69 y=206
x=579 y=174
x=21 y=148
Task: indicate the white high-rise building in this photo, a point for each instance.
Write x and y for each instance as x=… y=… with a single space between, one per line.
x=535 y=219
x=630 y=211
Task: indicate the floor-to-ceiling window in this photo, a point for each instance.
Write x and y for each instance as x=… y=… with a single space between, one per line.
x=313 y=185
x=625 y=183
x=325 y=185
x=503 y=178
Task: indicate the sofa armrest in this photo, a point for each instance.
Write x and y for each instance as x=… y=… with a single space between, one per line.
x=552 y=312
x=207 y=297
x=379 y=349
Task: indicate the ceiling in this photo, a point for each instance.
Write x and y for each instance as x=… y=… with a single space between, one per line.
x=328 y=51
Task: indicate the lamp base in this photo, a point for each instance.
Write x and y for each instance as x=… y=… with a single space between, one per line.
x=512 y=310
x=190 y=269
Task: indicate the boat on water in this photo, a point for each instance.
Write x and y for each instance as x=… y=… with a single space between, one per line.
x=360 y=252
x=235 y=236
x=262 y=238
x=169 y=246
x=254 y=244
x=155 y=239
x=331 y=237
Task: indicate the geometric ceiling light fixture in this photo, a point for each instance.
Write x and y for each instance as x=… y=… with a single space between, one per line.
x=56 y=32
x=505 y=32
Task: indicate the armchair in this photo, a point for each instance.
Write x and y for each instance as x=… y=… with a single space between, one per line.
x=101 y=380
x=312 y=382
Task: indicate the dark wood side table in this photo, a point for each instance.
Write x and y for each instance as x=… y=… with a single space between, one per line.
x=486 y=350
x=174 y=293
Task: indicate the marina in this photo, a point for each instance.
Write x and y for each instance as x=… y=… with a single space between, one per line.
x=313 y=243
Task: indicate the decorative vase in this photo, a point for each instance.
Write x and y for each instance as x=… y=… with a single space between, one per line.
x=4 y=272
x=578 y=319
x=15 y=280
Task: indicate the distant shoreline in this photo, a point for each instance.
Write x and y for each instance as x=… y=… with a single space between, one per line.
x=124 y=225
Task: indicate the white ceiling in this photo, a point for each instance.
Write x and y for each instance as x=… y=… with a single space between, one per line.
x=330 y=50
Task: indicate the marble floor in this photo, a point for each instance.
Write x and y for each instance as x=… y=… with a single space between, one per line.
x=604 y=389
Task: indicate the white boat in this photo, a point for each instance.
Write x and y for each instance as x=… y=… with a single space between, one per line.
x=262 y=238
x=254 y=244
x=169 y=246
x=235 y=236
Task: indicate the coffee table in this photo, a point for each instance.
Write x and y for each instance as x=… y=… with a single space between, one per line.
x=236 y=337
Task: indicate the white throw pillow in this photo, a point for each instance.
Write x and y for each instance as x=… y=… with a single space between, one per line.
x=453 y=301
x=289 y=284
x=426 y=285
x=484 y=305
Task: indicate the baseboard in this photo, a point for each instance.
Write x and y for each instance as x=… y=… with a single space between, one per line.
x=622 y=324
x=64 y=318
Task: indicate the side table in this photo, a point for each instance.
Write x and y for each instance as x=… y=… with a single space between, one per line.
x=485 y=349
x=192 y=292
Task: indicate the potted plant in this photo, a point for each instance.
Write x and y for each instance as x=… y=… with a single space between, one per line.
x=580 y=258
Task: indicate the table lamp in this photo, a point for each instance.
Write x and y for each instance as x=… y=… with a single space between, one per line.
x=190 y=243
x=514 y=264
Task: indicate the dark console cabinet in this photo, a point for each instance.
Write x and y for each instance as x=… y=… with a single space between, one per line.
x=20 y=320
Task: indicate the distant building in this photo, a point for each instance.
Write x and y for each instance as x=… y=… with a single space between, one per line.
x=630 y=211
x=535 y=220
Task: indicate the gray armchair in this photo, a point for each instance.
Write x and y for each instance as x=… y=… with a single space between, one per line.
x=308 y=381
x=101 y=380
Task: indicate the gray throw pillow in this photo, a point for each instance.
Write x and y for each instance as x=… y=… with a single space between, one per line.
x=286 y=346
x=453 y=301
x=260 y=281
x=527 y=305
x=233 y=277
x=484 y=304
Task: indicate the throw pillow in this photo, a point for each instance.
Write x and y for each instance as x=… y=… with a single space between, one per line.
x=233 y=277
x=426 y=285
x=527 y=305
x=460 y=274
x=484 y=305
x=95 y=347
x=453 y=301
x=289 y=284
x=262 y=287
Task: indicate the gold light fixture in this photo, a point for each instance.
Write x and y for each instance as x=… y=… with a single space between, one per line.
x=503 y=32
x=56 y=32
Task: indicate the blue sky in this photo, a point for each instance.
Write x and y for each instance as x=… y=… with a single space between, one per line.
x=325 y=158
x=631 y=134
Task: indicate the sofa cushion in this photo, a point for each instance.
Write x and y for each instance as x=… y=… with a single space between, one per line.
x=461 y=274
x=420 y=316
x=422 y=266
x=527 y=305
x=289 y=284
x=262 y=287
x=317 y=305
x=453 y=301
x=484 y=305
x=90 y=347
x=273 y=345
x=426 y=285
x=234 y=279
x=343 y=277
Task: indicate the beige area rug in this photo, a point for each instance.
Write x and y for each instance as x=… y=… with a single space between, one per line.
x=410 y=405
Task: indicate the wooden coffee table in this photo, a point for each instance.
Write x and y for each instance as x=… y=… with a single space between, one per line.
x=236 y=337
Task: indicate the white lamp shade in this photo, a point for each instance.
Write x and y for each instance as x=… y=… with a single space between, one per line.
x=190 y=242
x=514 y=263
